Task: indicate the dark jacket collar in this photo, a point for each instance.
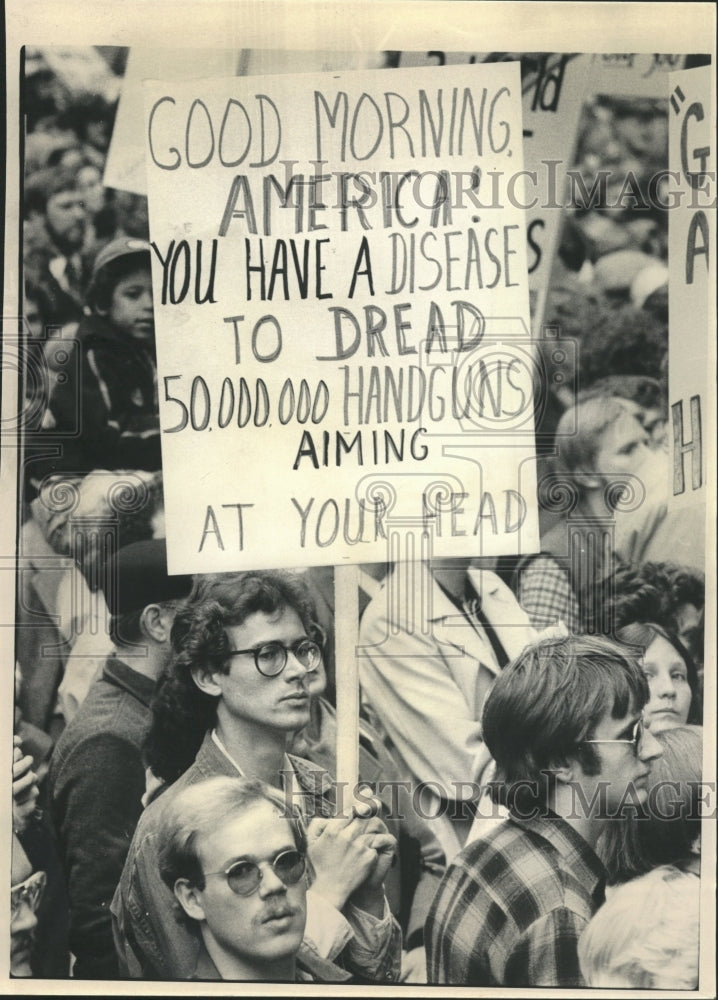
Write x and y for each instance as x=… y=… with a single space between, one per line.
x=119 y=674
x=96 y=330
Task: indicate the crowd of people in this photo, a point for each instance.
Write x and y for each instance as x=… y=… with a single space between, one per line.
x=530 y=758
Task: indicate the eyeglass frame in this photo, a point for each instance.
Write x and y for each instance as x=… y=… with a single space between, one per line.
x=639 y=729
x=256 y=650
x=244 y=895
x=29 y=891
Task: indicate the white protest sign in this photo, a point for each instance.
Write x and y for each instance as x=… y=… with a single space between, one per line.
x=692 y=281
x=342 y=317
x=633 y=74
x=125 y=166
x=554 y=88
x=553 y=98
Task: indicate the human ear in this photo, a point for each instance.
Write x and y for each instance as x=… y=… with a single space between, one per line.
x=206 y=681
x=188 y=896
x=564 y=771
x=158 y=620
x=153 y=624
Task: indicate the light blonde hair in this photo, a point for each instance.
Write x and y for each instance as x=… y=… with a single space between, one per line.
x=646 y=935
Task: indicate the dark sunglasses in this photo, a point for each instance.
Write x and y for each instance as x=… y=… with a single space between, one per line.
x=243 y=877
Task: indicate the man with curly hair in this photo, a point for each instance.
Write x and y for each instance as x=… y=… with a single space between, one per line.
x=236 y=690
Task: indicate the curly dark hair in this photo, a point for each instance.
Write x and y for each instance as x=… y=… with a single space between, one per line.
x=642 y=602
x=686 y=585
x=652 y=592
x=625 y=341
x=640 y=389
x=181 y=712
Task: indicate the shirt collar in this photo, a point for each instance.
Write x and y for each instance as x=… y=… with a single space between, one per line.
x=310 y=967
x=313 y=968
x=286 y=764
x=570 y=845
x=309 y=777
x=123 y=676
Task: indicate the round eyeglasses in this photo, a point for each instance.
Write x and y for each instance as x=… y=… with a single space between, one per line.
x=270 y=658
x=243 y=876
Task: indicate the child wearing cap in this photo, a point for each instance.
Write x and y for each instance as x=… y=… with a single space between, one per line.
x=106 y=414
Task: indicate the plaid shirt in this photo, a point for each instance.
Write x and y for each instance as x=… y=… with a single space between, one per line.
x=545 y=594
x=512 y=906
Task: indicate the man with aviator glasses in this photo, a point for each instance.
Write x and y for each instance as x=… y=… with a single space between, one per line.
x=564 y=724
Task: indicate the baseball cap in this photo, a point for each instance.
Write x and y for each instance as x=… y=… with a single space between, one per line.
x=123 y=246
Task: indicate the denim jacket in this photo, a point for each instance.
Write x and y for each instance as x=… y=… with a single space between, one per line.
x=154 y=941
x=310 y=969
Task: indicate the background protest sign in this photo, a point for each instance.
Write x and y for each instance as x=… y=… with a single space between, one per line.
x=553 y=86
x=692 y=299
x=125 y=167
x=633 y=74
x=341 y=310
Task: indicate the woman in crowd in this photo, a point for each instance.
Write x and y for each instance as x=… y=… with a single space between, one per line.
x=651 y=606
x=646 y=935
x=672 y=676
x=669 y=831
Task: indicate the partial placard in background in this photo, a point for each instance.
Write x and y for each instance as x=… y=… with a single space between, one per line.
x=125 y=167
x=341 y=303
x=633 y=74
x=690 y=189
x=554 y=88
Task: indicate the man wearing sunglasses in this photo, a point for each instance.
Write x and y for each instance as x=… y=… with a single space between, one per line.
x=235 y=858
x=564 y=724
x=237 y=690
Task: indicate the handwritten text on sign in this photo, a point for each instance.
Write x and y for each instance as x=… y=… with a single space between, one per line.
x=553 y=88
x=342 y=314
x=691 y=231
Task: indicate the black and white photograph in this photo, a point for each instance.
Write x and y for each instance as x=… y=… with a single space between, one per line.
x=358 y=481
